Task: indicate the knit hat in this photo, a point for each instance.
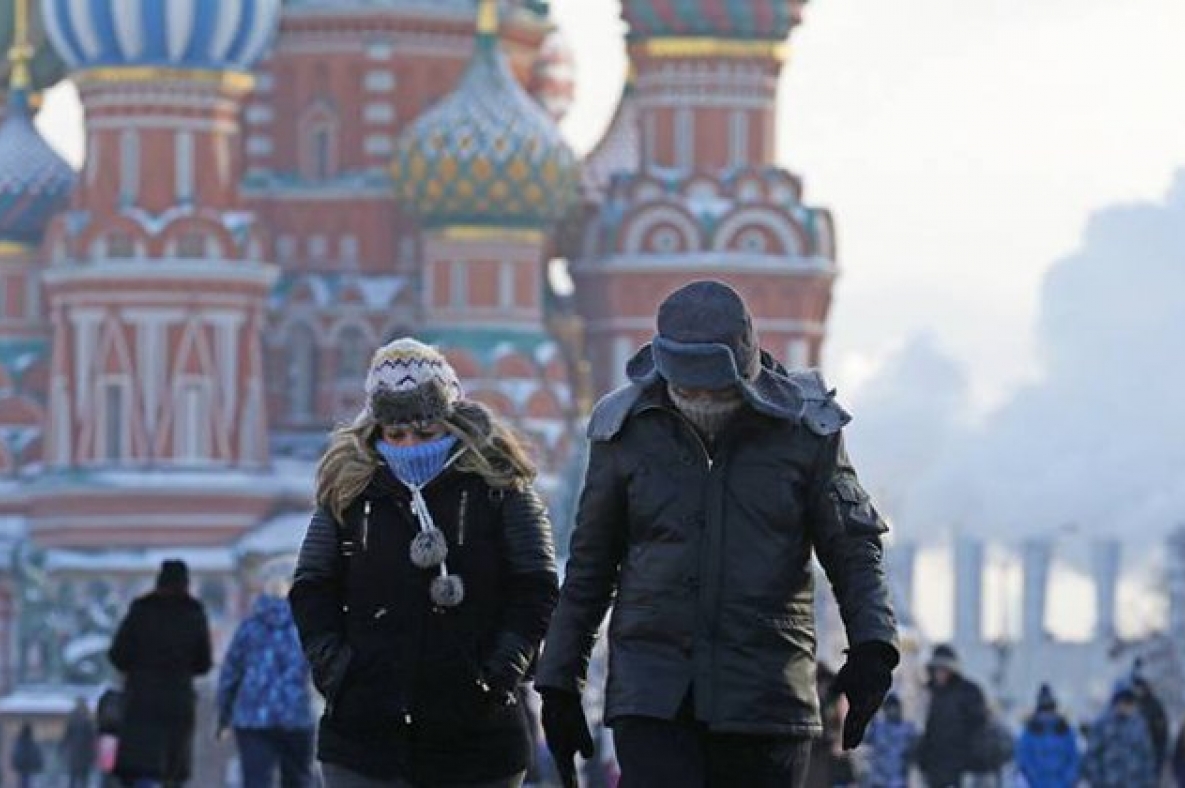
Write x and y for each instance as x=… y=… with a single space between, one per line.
x=706 y=338
x=1045 y=699
x=410 y=383
x=945 y=657
x=174 y=574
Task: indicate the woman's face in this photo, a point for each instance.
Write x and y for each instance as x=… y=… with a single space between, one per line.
x=408 y=435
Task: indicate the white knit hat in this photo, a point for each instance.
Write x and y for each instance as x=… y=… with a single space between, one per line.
x=410 y=383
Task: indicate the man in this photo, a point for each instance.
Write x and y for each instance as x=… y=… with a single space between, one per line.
x=1152 y=710
x=162 y=644
x=713 y=479
x=955 y=725
x=1119 y=751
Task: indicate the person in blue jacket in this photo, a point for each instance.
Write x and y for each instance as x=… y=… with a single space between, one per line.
x=263 y=690
x=1047 y=750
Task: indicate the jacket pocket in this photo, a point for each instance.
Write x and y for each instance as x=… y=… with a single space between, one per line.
x=794 y=629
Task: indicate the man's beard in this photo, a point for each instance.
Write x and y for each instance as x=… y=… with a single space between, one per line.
x=709 y=416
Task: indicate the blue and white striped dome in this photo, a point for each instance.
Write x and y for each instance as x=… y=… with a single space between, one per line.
x=192 y=34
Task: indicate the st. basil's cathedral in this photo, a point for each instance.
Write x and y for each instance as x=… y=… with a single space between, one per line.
x=273 y=189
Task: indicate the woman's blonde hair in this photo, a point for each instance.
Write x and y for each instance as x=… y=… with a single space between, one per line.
x=489 y=448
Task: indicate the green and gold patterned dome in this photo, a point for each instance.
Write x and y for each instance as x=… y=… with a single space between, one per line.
x=486 y=154
x=47 y=69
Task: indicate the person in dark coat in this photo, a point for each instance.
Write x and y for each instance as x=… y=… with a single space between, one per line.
x=424 y=584
x=78 y=745
x=27 y=760
x=1047 y=750
x=263 y=690
x=958 y=716
x=160 y=646
x=1152 y=710
x=714 y=477
x=1178 y=758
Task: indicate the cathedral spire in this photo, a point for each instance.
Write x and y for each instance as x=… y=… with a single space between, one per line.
x=20 y=52
x=487 y=19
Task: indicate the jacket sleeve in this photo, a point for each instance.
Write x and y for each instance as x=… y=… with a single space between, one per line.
x=590 y=575
x=316 y=599
x=846 y=532
x=203 y=657
x=230 y=676
x=528 y=558
x=123 y=645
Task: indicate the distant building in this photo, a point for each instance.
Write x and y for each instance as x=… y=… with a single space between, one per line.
x=270 y=191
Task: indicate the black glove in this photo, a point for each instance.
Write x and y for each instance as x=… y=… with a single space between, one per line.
x=566 y=730
x=865 y=678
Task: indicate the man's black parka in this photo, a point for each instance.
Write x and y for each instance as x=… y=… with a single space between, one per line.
x=706 y=556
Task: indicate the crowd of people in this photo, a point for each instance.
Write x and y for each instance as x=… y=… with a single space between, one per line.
x=963 y=740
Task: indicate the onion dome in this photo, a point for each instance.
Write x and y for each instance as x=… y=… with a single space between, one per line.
x=188 y=34
x=35 y=182
x=46 y=67
x=486 y=154
x=553 y=76
x=769 y=20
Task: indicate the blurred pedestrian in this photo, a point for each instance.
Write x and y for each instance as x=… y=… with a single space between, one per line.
x=1178 y=759
x=27 y=760
x=1047 y=750
x=263 y=690
x=890 y=745
x=1153 y=712
x=715 y=476
x=956 y=722
x=160 y=646
x=1119 y=751
x=424 y=584
x=78 y=745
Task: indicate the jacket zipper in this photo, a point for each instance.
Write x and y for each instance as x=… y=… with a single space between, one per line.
x=365 y=524
x=461 y=518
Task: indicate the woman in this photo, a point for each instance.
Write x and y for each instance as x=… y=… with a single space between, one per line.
x=424 y=585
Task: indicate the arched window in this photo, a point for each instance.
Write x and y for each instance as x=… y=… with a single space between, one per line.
x=302 y=373
x=354 y=355
x=318 y=143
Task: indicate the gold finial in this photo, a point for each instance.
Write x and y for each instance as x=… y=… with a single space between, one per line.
x=20 y=52
x=487 y=17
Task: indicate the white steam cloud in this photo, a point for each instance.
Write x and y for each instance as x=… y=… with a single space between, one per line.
x=1098 y=442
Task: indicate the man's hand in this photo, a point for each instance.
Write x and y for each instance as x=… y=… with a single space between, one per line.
x=566 y=730
x=865 y=679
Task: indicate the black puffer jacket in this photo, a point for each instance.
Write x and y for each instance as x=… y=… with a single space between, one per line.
x=710 y=557
x=955 y=725
x=402 y=679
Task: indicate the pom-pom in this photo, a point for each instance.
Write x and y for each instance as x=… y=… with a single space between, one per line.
x=447 y=591
x=429 y=548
